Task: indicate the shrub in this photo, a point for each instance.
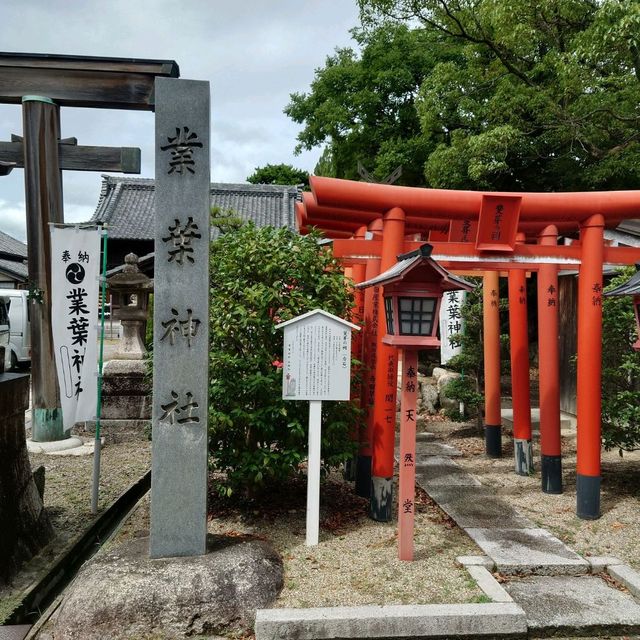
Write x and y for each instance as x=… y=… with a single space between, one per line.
x=258 y=278
x=620 y=371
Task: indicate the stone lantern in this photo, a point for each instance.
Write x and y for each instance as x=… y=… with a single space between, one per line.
x=130 y=289
x=412 y=294
x=126 y=404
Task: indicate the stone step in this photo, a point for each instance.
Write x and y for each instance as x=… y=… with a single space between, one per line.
x=568 y=605
x=567 y=422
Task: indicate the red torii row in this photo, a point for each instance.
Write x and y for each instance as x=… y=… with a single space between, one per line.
x=372 y=224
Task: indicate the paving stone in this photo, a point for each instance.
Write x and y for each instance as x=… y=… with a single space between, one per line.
x=581 y=605
x=425 y=449
x=526 y=551
x=477 y=507
x=441 y=471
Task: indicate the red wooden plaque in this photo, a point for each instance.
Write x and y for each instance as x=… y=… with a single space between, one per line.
x=463 y=230
x=498 y=223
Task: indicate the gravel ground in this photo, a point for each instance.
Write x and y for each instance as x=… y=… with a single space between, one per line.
x=356 y=560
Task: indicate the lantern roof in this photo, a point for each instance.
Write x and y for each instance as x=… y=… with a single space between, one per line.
x=629 y=288
x=418 y=259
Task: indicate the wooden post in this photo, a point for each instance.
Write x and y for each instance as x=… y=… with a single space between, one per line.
x=549 y=368
x=589 y=369
x=313 y=473
x=491 y=345
x=407 y=488
x=43 y=188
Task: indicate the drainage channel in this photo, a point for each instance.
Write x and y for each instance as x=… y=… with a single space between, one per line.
x=50 y=585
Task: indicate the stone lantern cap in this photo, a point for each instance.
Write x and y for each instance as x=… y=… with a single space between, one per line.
x=130 y=279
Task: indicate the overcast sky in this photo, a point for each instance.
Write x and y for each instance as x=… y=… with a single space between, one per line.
x=254 y=53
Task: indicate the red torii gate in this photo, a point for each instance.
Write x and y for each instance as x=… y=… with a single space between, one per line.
x=471 y=230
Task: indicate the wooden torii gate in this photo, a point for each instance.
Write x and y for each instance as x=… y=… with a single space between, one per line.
x=487 y=232
x=42 y=84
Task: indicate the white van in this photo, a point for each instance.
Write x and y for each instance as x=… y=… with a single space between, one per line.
x=4 y=334
x=19 y=323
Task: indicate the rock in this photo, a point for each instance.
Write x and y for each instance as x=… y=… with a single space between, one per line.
x=122 y=593
x=445 y=379
x=428 y=395
x=438 y=372
x=445 y=401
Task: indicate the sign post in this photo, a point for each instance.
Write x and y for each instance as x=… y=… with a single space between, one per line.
x=317 y=367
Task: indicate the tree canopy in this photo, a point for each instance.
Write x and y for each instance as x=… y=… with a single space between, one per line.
x=278 y=174
x=483 y=94
x=361 y=104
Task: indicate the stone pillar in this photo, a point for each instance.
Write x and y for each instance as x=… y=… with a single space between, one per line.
x=181 y=320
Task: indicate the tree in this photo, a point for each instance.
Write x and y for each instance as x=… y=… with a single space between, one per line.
x=361 y=105
x=260 y=277
x=543 y=97
x=279 y=174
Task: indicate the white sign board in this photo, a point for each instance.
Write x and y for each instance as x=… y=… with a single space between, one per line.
x=317 y=357
x=450 y=323
x=317 y=367
x=75 y=277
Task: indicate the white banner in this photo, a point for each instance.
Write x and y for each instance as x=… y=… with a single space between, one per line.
x=450 y=323
x=75 y=282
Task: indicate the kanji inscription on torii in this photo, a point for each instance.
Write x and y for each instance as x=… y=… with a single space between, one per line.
x=181 y=335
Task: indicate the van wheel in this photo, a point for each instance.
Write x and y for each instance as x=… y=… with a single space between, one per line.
x=14 y=360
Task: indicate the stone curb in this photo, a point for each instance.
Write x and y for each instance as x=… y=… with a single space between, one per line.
x=492 y=620
x=488 y=584
x=624 y=574
x=599 y=564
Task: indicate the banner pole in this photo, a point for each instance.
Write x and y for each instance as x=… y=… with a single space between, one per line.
x=96 y=444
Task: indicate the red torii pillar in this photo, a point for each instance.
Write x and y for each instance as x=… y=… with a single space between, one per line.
x=384 y=410
x=520 y=388
x=369 y=353
x=491 y=346
x=589 y=368
x=549 y=369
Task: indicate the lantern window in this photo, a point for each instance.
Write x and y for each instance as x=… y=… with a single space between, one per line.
x=417 y=316
x=388 y=312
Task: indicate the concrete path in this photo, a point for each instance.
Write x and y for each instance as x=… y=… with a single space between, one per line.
x=558 y=590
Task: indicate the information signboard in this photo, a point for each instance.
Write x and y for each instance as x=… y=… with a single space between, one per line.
x=317 y=357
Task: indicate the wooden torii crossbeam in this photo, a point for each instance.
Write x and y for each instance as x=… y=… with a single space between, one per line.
x=42 y=83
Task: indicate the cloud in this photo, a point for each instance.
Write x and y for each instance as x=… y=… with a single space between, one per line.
x=13 y=220
x=253 y=53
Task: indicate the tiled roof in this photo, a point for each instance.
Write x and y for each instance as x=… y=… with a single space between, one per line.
x=127 y=205
x=11 y=245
